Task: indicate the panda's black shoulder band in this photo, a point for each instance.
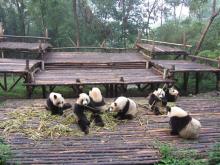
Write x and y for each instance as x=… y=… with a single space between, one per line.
x=125 y=109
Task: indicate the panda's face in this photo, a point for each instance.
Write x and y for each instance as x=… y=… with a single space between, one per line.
x=57 y=99
x=113 y=107
x=173 y=91
x=159 y=93
x=83 y=99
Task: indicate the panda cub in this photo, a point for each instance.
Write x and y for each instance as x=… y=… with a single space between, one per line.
x=56 y=104
x=158 y=101
x=171 y=94
x=182 y=123
x=79 y=110
x=126 y=108
x=97 y=105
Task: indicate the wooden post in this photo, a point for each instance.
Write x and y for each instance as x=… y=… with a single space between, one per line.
x=27 y=65
x=44 y=91
x=5 y=82
x=106 y=90
x=197 y=82
x=42 y=65
x=218 y=76
x=111 y=90
x=165 y=71
x=46 y=33
x=115 y=90
x=185 y=81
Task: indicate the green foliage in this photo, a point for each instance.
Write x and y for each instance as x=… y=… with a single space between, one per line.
x=174 y=156
x=5 y=152
x=214 y=155
x=210 y=54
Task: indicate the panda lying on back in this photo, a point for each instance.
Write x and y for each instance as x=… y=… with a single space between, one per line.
x=126 y=108
x=183 y=124
x=56 y=104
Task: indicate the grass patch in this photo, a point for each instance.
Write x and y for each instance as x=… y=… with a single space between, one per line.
x=5 y=152
x=174 y=156
x=214 y=155
x=37 y=123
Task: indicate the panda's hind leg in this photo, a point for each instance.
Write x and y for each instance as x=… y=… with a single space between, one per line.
x=84 y=125
x=127 y=116
x=98 y=119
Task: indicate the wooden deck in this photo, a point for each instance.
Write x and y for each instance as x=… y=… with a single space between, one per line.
x=161 y=49
x=184 y=66
x=24 y=46
x=64 y=60
x=132 y=142
x=97 y=76
x=8 y=65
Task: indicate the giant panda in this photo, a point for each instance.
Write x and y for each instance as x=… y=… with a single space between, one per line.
x=126 y=108
x=182 y=123
x=96 y=103
x=171 y=94
x=158 y=102
x=79 y=109
x=56 y=104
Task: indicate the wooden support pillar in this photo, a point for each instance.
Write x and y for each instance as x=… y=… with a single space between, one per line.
x=217 y=81
x=106 y=90
x=3 y=56
x=197 y=82
x=115 y=90
x=185 y=81
x=44 y=91
x=42 y=65
x=111 y=90
x=5 y=82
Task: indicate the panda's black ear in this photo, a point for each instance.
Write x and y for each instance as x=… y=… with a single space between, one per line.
x=55 y=97
x=168 y=108
x=115 y=104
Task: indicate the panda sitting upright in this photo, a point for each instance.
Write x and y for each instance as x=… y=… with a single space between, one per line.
x=56 y=104
x=126 y=108
x=182 y=123
x=97 y=105
x=171 y=93
x=79 y=109
x=158 y=101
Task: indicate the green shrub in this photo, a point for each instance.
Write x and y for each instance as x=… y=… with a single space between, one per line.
x=214 y=155
x=5 y=152
x=174 y=156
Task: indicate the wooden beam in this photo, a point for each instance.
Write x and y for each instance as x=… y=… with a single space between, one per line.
x=31 y=37
x=15 y=83
x=5 y=82
x=167 y=43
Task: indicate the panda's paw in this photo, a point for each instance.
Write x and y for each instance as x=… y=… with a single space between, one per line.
x=86 y=130
x=173 y=133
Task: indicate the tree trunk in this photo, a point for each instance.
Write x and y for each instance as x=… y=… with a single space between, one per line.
x=214 y=14
x=76 y=23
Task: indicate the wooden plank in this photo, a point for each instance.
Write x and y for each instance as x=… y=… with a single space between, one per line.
x=130 y=142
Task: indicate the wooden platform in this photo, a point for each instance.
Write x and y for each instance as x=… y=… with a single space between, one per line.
x=184 y=66
x=24 y=46
x=132 y=142
x=97 y=76
x=64 y=60
x=161 y=49
x=8 y=65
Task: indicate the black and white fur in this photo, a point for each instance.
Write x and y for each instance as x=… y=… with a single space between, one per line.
x=157 y=101
x=97 y=105
x=56 y=104
x=126 y=108
x=183 y=124
x=171 y=94
x=79 y=110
